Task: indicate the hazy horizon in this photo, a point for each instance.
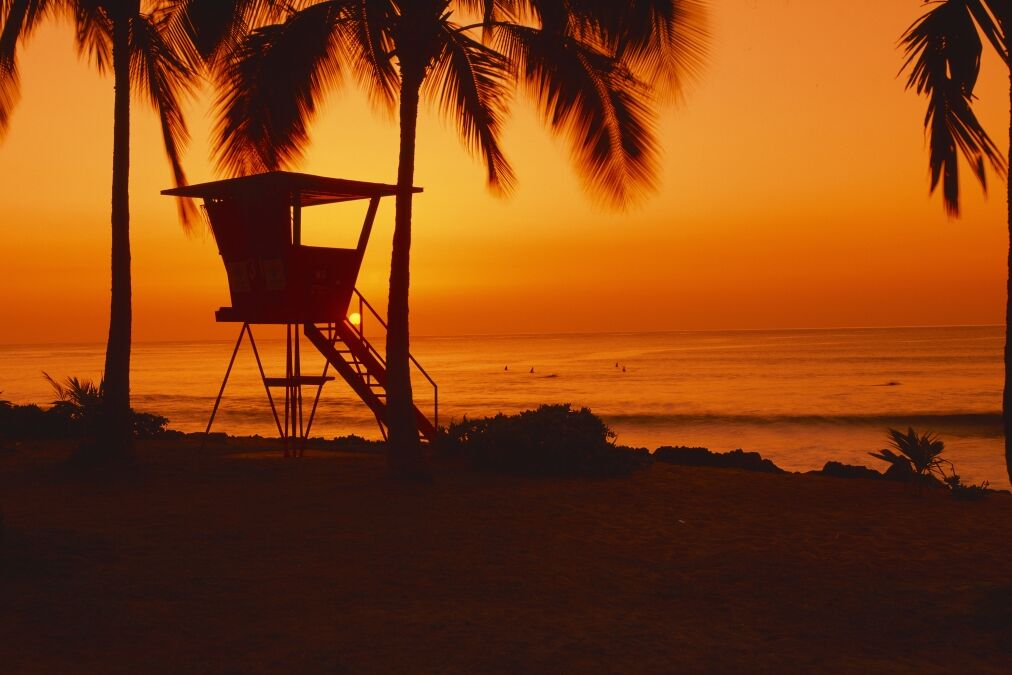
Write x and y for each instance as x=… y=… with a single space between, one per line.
x=261 y=328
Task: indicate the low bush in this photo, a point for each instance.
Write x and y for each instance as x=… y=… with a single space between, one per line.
x=30 y=422
x=918 y=460
x=553 y=440
x=966 y=492
x=75 y=415
x=917 y=457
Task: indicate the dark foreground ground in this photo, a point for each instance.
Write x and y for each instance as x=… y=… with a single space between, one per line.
x=224 y=561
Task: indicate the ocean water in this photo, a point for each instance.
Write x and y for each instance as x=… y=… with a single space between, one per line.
x=800 y=397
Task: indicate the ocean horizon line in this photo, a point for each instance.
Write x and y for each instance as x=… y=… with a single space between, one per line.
x=699 y=331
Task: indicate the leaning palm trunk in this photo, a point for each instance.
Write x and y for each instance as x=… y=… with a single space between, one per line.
x=115 y=436
x=405 y=450
x=1007 y=396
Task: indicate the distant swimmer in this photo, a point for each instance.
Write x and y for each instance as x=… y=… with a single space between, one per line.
x=532 y=369
x=616 y=364
x=506 y=368
x=623 y=369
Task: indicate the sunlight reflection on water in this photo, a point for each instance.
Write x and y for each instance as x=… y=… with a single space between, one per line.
x=799 y=397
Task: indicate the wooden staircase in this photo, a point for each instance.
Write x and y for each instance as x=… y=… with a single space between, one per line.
x=363 y=367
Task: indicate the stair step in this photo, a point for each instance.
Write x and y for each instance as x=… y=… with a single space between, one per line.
x=359 y=363
x=302 y=379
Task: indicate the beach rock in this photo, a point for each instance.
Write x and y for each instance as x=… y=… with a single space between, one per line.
x=902 y=473
x=684 y=456
x=840 y=470
x=736 y=459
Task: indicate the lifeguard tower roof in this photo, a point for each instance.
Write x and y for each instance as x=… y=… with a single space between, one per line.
x=310 y=190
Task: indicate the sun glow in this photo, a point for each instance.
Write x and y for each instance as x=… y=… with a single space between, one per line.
x=768 y=213
x=355 y=319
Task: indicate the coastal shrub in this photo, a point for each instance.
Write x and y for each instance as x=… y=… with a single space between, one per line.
x=30 y=422
x=553 y=440
x=966 y=492
x=917 y=457
x=79 y=401
x=149 y=425
x=74 y=415
x=354 y=443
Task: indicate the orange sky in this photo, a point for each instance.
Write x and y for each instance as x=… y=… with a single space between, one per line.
x=793 y=194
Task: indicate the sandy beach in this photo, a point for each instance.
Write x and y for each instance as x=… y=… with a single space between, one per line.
x=232 y=559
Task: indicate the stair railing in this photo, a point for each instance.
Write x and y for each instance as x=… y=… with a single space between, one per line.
x=364 y=305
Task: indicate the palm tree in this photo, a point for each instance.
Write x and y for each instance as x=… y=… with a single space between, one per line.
x=944 y=49
x=594 y=68
x=147 y=53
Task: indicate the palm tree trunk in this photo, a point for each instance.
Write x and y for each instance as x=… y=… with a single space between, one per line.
x=1006 y=407
x=116 y=434
x=404 y=453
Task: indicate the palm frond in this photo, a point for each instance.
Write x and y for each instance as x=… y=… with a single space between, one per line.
x=216 y=27
x=889 y=456
x=663 y=41
x=20 y=17
x=270 y=87
x=922 y=451
x=93 y=33
x=491 y=12
x=469 y=81
x=598 y=104
x=986 y=14
x=369 y=47
x=943 y=50
x=76 y=392
x=488 y=10
x=160 y=74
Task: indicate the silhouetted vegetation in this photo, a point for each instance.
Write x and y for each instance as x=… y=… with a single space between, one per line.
x=146 y=46
x=553 y=440
x=969 y=492
x=944 y=50
x=75 y=415
x=918 y=460
x=917 y=457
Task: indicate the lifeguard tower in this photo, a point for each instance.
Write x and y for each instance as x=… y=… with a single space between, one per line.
x=274 y=279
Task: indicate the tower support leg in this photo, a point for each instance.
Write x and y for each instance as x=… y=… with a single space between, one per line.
x=228 y=371
x=294 y=430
